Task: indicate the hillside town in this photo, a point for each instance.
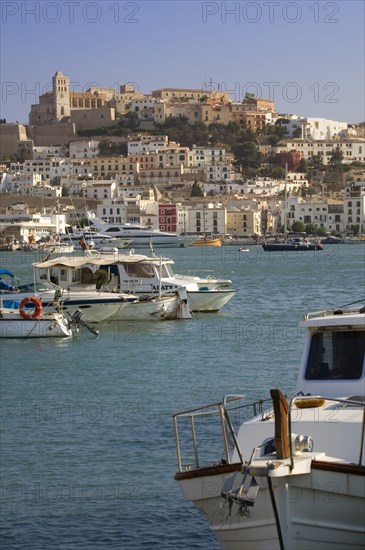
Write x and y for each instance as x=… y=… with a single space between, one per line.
x=179 y=160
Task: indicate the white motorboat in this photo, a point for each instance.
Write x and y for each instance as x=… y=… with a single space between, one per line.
x=58 y=248
x=86 y=283
x=12 y=325
x=144 y=275
x=97 y=307
x=293 y=476
x=140 y=236
x=30 y=320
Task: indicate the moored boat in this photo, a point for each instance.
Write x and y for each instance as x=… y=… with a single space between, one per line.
x=32 y=322
x=151 y=276
x=136 y=234
x=207 y=241
x=293 y=475
x=296 y=244
x=89 y=281
x=332 y=240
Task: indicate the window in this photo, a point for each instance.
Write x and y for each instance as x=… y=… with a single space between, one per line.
x=139 y=270
x=336 y=355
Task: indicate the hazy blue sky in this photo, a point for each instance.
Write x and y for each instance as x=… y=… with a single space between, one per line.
x=306 y=55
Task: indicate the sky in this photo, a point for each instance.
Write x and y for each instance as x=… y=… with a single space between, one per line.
x=307 y=56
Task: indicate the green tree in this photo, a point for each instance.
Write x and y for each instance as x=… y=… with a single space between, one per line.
x=247 y=156
x=311 y=229
x=321 y=232
x=303 y=166
x=298 y=227
x=336 y=158
x=196 y=190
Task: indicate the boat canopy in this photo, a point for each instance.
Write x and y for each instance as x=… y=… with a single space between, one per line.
x=6 y=272
x=82 y=261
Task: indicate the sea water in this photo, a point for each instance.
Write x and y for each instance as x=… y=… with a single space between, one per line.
x=87 y=444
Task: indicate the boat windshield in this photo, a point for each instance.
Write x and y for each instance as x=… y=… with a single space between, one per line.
x=139 y=270
x=167 y=271
x=39 y=287
x=335 y=355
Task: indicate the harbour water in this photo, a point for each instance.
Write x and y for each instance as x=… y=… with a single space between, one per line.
x=87 y=444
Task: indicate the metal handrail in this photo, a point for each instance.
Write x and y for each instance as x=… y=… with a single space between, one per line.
x=222 y=410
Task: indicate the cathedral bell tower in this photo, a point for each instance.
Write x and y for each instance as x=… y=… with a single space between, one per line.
x=61 y=96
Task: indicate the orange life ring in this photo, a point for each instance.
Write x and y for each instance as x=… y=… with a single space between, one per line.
x=37 y=308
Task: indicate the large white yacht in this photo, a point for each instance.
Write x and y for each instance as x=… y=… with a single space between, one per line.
x=293 y=476
x=141 y=236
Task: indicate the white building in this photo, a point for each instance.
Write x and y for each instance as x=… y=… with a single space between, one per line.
x=25 y=227
x=354 y=206
x=101 y=189
x=84 y=149
x=114 y=211
x=198 y=157
x=146 y=143
x=352 y=149
x=51 y=169
x=209 y=218
x=323 y=213
x=47 y=152
x=42 y=190
x=13 y=182
x=315 y=128
x=220 y=171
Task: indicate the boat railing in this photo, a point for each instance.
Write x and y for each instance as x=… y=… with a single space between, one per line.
x=311 y=401
x=337 y=311
x=198 y=427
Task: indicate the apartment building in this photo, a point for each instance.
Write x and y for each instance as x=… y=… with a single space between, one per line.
x=84 y=149
x=352 y=149
x=110 y=166
x=209 y=218
x=101 y=190
x=199 y=156
x=143 y=143
x=354 y=206
x=314 y=128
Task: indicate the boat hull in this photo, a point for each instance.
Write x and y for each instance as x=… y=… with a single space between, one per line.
x=209 y=301
x=95 y=308
x=324 y=509
x=235 y=528
x=13 y=326
x=154 y=309
x=282 y=247
x=207 y=242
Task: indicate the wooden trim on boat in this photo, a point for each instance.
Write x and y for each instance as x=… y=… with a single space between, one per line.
x=216 y=469
x=340 y=467
x=281 y=424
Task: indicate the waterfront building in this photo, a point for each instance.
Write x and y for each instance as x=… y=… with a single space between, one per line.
x=244 y=221
x=354 y=206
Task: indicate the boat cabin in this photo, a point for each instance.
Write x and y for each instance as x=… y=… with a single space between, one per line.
x=334 y=356
x=112 y=273
x=70 y=275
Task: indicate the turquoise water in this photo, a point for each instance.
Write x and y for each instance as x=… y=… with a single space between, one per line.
x=87 y=445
